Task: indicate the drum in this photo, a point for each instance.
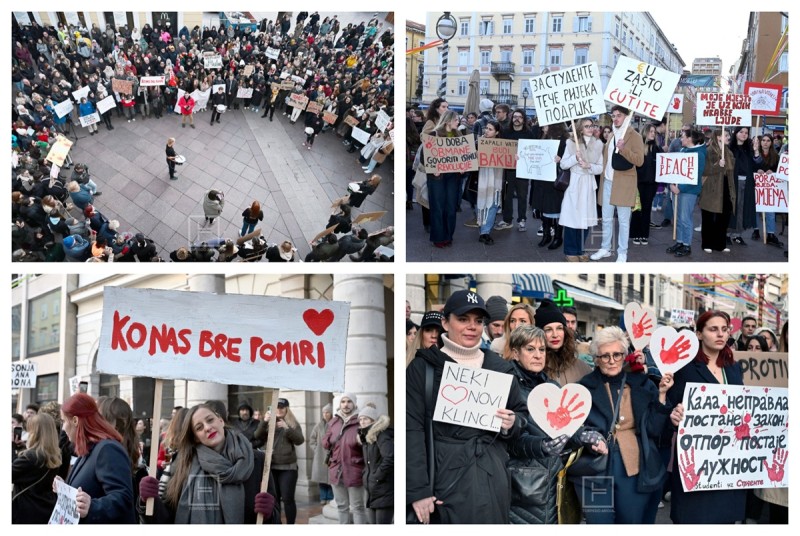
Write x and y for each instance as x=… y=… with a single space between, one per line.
x=180 y=160
x=309 y=131
x=221 y=108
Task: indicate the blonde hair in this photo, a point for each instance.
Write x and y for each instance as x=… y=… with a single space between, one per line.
x=507 y=326
x=43 y=440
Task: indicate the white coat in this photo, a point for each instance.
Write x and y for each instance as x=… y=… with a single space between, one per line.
x=579 y=207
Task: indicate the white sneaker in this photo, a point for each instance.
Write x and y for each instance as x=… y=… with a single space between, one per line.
x=622 y=257
x=698 y=228
x=521 y=226
x=540 y=231
x=600 y=254
x=707 y=250
x=502 y=226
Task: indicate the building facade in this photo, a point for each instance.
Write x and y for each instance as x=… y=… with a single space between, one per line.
x=415 y=37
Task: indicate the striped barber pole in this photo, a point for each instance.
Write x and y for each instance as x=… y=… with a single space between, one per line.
x=443 y=82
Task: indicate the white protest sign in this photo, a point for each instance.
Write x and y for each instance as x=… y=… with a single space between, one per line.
x=640 y=323
x=672 y=350
x=91 y=119
x=536 y=159
x=23 y=375
x=677 y=168
x=106 y=104
x=471 y=397
x=298 y=79
x=201 y=97
x=559 y=410
x=54 y=171
x=676 y=104
x=74 y=384
x=772 y=193
x=361 y=136
x=212 y=62
x=63 y=108
x=80 y=93
x=733 y=437
x=177 y=107
x=765 y=99
x=723 y=109
x=216 y=87
x=147 y=81
x=568 y=94
x=642 y=88
x=681 y=317
x=284 y=75
x=244 y=93
x=272 y=53
x=783 y=167
x=65 y=511
x=382 y=120
x=270 y=342
x=309 y=72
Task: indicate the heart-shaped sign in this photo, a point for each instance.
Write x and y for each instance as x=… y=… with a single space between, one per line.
x=736 y=325
x=318 y=321
x=454 y=395
x=672 y=350
x=559 y=410
x=640 y=323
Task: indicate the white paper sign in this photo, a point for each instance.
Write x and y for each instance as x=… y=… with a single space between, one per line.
x=147 y=81
x=559 y=410
x=66 y=510
x=272 y=53
x=284 y=75
x=382 y=120
x=677 y=168
x=726 y=109
x=216 y=87
x=91 y=119
x=268 y=342
x=244 y=93
x=54 y=171
x=733 y=437
x=642 y=88
x=80 y=93
x=63 y=108
x=568 y=94
x=536 y=159
x=681 y=317
x=212 y=62
x=201 y=98
x=360 y=135
x=177 y=107
x=106 y=104
x=676 y=104
x=471 y=397
x=639 y=323
x=672 y=350
x=772 y=193
x=23 y=375
x=298 y=79
x=783 y=167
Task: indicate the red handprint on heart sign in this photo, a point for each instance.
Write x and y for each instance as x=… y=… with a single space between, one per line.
x=676 y=352
x=775 y=473
x=686 y=463
x=564 y=414
x=644 y=327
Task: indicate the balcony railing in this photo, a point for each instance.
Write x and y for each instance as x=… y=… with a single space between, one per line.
x=502 y=67
x=502 y=98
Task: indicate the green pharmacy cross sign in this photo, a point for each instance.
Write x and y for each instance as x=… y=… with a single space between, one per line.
x=562 y=300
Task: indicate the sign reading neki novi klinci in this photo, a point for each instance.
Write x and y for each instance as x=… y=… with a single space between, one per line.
x=231 y=339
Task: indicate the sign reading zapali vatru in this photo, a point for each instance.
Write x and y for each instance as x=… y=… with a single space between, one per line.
x=269 y=341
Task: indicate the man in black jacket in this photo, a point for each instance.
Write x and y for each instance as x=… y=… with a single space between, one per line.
x=217 y=99
x=246 y=425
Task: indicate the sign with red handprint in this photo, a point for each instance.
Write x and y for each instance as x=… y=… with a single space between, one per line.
x=672 y=350
x=676 y=104
x=559 y=410
x=640 y=323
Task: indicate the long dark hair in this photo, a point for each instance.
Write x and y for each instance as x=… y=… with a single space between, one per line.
x=117 y=412
x=433 y=110
x=771 y=156
x=557 y=361
x=725 y=356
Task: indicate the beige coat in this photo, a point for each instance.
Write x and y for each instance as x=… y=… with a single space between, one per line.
x=714 y=179
x=623 y=189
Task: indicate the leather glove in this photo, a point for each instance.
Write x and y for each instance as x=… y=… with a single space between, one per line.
x=590 y=437
x=148 y=488
x=265 y=504
x=554 y=447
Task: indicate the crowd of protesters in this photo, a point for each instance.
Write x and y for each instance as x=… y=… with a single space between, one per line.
x=348 y=71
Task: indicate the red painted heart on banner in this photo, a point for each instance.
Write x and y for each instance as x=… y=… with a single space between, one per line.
x=318 y=321
x=736 y=325
x=454 y=393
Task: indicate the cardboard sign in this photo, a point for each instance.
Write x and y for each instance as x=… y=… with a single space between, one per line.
x=298 y=100
x=764 y=369
x=248 y=69
x=124 y=87
x=568 y=94
x=88 y=120
x=350 y=120
x=329 y=117
x=106 y=104
x=147 y=81
x=559 y=410
x=471 y=397
x=497 y=153
x=23 y=375
x=369 y=216
x=449 y=155
x=640 y=322
x=314 y=107
x=677 y=168
x=59 y=150
x=723 y=109
x=772 y=193
x=536 y=160
x=681 y=317
x=272 y=53
x=382 y=120
x=271 y=342
x=676 y=104
x=733 y=437
x=287 y=84
x=673 y=350
x=244 y=93
x=212 y=62
x=323 y=234
x=63 y=108
x=783 y=167
x=359 y=135
x=65 y=511
x=642 y=88
x=80 y=93
x=765 y=99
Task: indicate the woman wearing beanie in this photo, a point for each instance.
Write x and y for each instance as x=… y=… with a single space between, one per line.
x=469 y=481
x=377 y=438
x=213 y=203
x=563 y=364
x=319 y=467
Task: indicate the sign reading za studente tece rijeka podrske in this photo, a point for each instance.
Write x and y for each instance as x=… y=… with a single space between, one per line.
x=733 y=437
x=471 y=397
x=231 y=339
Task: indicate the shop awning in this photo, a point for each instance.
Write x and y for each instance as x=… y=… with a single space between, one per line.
x=589 y=297
x=538 y=286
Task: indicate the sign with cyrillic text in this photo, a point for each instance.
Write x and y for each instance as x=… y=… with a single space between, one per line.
x=568 y=94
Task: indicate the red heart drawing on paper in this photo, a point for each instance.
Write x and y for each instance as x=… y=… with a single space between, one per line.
x=736 y=325
x=453 y=397
x=317 y=321
x=672 y=350
x=640 y=323
x=559 y=410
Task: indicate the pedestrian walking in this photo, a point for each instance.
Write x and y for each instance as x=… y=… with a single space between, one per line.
x=250 y=217
x=213 y=203
x=171 y=156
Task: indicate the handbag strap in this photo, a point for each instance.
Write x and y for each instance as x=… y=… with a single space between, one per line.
x=29 y=487
x=429 y=401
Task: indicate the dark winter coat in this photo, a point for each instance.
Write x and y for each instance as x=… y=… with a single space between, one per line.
x=470 y=475
x=377 y=441
x=745 y=165
x=248 y=429
x=33 y=496
x=546 y=198
x=347 y=457
x=105 y=475
x=283 y=449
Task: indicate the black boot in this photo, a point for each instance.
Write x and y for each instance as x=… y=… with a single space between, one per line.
x=557 y=240
x=546 y=225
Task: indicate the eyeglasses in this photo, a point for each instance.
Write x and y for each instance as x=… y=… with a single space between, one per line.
x=616 y=356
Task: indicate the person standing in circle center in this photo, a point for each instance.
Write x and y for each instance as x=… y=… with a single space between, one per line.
x=171 y=154
x=250 y=217
x=213 y=203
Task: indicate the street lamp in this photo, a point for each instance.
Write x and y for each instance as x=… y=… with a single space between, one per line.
x=445 y=30
x=525 y=95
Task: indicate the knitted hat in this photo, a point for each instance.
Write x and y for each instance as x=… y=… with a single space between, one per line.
x=547 y=313
x=351 y=396
x=327 y=408
x=485 y=105
x=370 y=412
x=69 y=242
x=464 y=301
x=497 y=307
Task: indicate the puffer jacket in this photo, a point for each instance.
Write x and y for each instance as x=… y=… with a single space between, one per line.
x=283 y=449
x=347 y=457
x=377 y=441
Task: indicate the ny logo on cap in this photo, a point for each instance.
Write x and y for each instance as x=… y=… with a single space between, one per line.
x=472 y=298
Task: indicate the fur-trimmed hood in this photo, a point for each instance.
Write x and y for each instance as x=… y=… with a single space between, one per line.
x=376 y=428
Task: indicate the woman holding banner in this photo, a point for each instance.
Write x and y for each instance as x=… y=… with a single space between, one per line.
x=579 y=206
x=646 y=184
x=490 y=190
x=718 y=196
x=767 y=162
x=692 y=141
x=713 y=364
x=744 y=215
x=87 y=108
x=444 y=189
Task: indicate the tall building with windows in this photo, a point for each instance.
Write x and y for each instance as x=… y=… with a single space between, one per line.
x=509 y=48
x=415 y=37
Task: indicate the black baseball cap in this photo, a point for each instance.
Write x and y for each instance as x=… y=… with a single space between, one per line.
x=283 y=403
x=464 y=301
x=432 y=318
